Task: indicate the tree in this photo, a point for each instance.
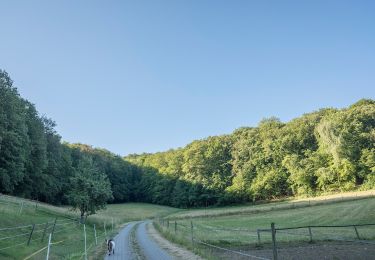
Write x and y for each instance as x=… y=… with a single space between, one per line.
x=90 y=190
x=34 y=181
x=13 y=135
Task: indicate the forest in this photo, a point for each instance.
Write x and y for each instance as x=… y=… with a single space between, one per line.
x=329 y=150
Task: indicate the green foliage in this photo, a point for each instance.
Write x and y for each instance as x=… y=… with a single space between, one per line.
x=90 y=190
x=325 y=151
x=13 y=135
x=35 y=164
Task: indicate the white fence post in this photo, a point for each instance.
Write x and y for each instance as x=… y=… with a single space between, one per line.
x=48 y=246
x=21 y=207
x=96 y=239
x=84 y=231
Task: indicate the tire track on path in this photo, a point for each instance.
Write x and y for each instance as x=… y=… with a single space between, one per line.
x=150 y=249
x=136 y=242
x=123 y=249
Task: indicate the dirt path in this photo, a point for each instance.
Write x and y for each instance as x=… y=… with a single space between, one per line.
x=123 y=248
x=172 y=249
x=140 y=240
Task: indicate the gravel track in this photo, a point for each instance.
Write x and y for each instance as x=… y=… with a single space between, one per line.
x=134 y=242
x=123 y=248
x=150 y=250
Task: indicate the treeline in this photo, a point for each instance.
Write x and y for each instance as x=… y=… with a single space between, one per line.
x=324 y=151
x=35 y=164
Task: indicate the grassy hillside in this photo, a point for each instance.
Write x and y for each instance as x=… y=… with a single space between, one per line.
x=17 y=217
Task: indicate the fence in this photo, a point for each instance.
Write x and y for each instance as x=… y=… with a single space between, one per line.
x=274 y=242
x=68 y=238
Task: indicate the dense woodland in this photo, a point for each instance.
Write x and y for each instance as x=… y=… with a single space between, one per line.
x=324 y=151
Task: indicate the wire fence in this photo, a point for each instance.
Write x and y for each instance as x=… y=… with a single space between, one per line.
x=69 y=238
x=273 y=243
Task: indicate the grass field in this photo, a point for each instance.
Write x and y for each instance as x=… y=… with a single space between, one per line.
x=289 y=203
x=17 y=217
x=133 y=211
x=233 y=227
x=227 y=226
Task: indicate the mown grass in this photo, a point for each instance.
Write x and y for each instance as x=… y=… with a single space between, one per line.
x=265 y=206
x=241 y=229
x=68 y=233
x=340 y=213
x=122 y=213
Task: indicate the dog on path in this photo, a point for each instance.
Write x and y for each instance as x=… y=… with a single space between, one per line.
x=110 y=246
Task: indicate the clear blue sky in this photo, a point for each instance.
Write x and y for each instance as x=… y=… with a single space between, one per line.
x=146 y=76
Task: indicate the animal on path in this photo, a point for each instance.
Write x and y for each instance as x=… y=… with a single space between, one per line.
x=110 y=246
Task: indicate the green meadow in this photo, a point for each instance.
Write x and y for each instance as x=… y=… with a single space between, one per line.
x=17 y=217
x=237 y=226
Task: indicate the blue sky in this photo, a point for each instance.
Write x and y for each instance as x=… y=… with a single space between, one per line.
x=146 y=76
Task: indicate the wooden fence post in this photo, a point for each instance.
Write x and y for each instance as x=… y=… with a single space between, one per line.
x=168 y=224
x=31 y=233
x=258 y=233
x=44 y=232
x=310 y=234
x=105 y=230
x=356 y=232
x=274 y=241
x=175 y=227
x=54 y=225
x=192 y=232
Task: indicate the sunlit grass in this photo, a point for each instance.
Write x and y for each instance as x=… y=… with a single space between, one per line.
x=241 y=229
x=68 y=233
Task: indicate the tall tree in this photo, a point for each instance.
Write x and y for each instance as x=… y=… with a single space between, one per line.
x=90 y=190
x=13 y=135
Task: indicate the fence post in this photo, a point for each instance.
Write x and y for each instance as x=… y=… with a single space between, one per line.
x=258 y=233
x=168 y=224
x=54 y=225
x=356 y=232
x=274 y=241
x=31 y=233
x=96 y=239
x=44 y=232
x=105 y=230
x=310 y=234
x=192 y=232
x=48 y=246
x=175 y=227
x=112 y=224
x=84 y=231
x=21 y=207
